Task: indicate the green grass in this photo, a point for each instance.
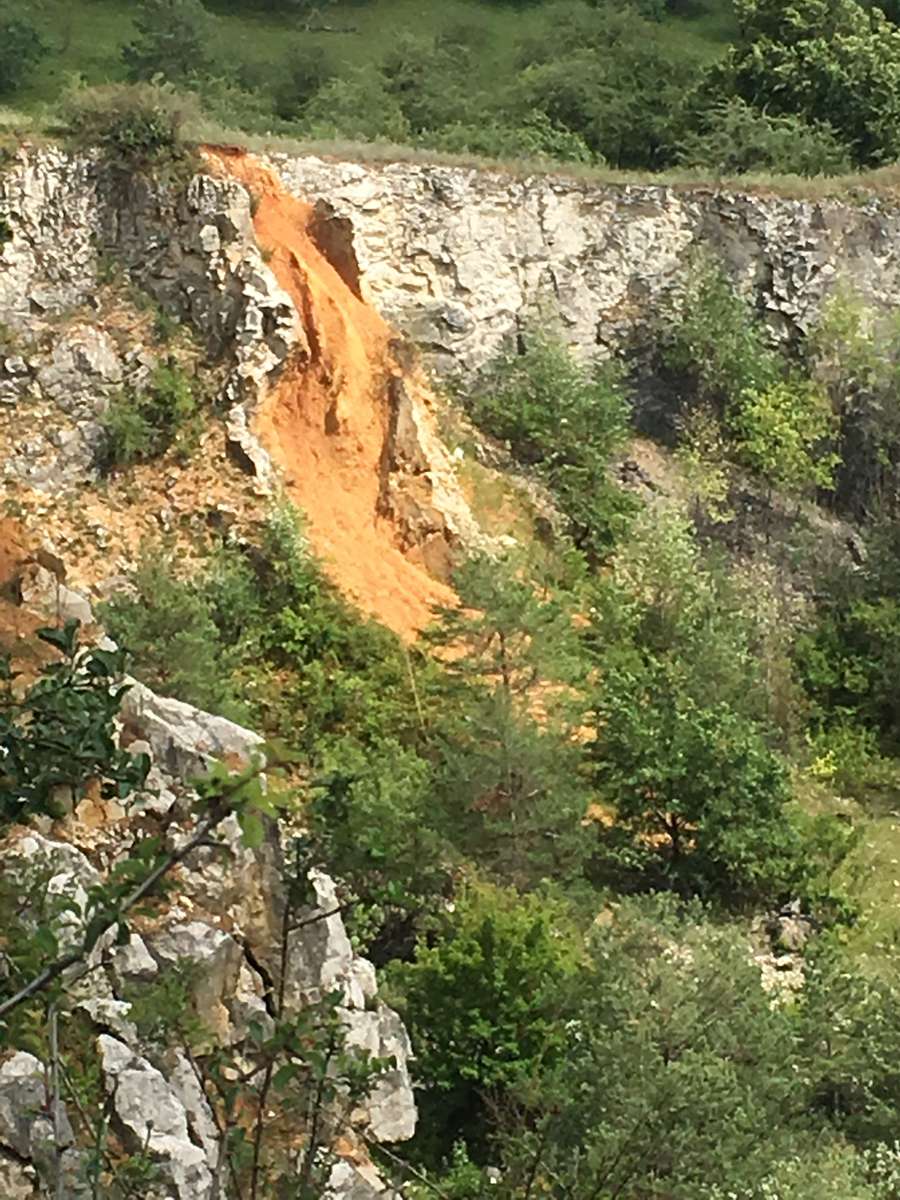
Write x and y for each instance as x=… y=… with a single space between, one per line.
x=86 y=37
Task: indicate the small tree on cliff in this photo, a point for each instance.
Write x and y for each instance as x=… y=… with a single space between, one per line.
x=504 y=708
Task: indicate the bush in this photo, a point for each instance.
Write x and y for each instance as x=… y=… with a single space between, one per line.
x=820 y=61
x=536 y=138
x=482 y=1002
x=136 y=127
x=735 y=139
x=21 y=49
x=307 y=70
x=140 y=425
x=169 y=629
x=173 y=41
x=357 y=106
x=715 y=349
x=567 y=420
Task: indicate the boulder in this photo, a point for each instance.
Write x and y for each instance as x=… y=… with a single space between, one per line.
x=150 y=1115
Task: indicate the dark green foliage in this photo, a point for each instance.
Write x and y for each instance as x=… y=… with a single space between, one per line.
x=503 y=709
x=676 y=1074
x=580 y=70
x=141 y=425
x=168 y=626
x=373 y=821
x=567 y=421
x=173 y=41
x=307 y=69
x=61 y=734
x=483 y=1002
x=849 y=659
x=716 y=350
x=733 y=138
x=263 y=623
x=428 y=79
x=698 y=799
x=357 y=106
x=534 y=137
x=136 y=127
x=21 y=47
x=848 y=1045
x=820 y=60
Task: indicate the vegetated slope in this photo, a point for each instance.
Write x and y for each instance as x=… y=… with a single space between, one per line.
x=326 y=422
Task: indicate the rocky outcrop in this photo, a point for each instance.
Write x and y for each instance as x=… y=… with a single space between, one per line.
x=191 y=249
x=223 y=919
x=459 y=259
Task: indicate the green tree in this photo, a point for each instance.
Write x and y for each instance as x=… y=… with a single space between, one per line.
x=566 y=420
x=357 y=106
x=21 y=48
x=167 y=625
x=504 y=708
x=698 y=799
x=483 y=1003
x=786 y=433
x=733 y=138
x=715 y=349
x=854 y=354
x=821 y=60
x=579 y=67
x=676 y=1077
x=307 y=68
x=173 y=41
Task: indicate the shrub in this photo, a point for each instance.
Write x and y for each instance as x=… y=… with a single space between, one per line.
x=566 y=420
x=21 y=48
x=734 y=139
x=482 y=1002
x=140 y=425
x=786 y=432
x=715 y=349
x=819 y=60
x=61 y=733
x=536 y=137
x=168 y=628
x=137 y=127
x=173 y=41
x=357 y=106
x=307 y=70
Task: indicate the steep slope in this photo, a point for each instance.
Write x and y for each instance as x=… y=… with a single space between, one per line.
x=327 y=421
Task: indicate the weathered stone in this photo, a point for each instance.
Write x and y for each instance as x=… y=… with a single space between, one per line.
x=18 y=1181
x=43 y=593
x=28 y=1129
x=150 y=1115
x=390 y=1108
x=133 y=962
x=459 y=259
x=183 y=739
x=23 y=1097
x=350 y=1182
x=245 y=449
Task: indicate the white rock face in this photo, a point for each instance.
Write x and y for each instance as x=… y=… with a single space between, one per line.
x=151 y=1114
x=459 y=258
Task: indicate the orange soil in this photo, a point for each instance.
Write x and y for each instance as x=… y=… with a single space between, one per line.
x=324 y=423
x=18 y=627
